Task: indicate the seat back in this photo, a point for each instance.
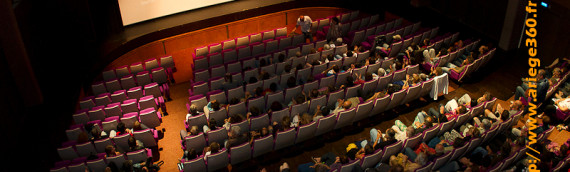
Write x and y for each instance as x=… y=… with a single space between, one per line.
x=146 y=136
x=198 y=142
x=390 y=150
x=217 y=161
x=195 y=165
x=344 y=118
x=218 y=135
x=150 y=117
x=262 y=145
x=284 y=138
x=85 y=149
x=325 y=124
x=240 y=153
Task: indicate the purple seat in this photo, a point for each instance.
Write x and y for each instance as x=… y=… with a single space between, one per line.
x=97 y=164
x=430 y=133
x=103 y=99
x=217 y=161
x=363 y=110
x=67 y=153
x=325 y=124
x=198 y=142
x=139 y=156
x=229 y=44
x=306 y=132
x=259 y=122
x=390 y=150
x=119 y=96
x=85 y=149
x=113 y=109
x=128 y=82
x=135 y=92
x=129 y=119
x=240 y=153
x=153 y=89
x=87 y=102
x=396 y=99
x=349 y=167
x=149 y=137
x=159 y=75
x=81 y=117
x=121 y=142
x=98 y=88
x=150 y=117
x=214 y=48
x=219 y=136
x=262 y=145
x=345 y=118
x=215 y=59
x=199 y=120
x=334 y=96
x=148 y=102
x=440 y=161
x=101 y=144
x=129 y=106
x=197 y=164
x=96 y=113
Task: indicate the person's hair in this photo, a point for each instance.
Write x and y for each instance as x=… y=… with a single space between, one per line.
x=336 y=69
x=398 y=65
x=462 y=109
x=252 y=80
x=273 y=87
x=193 y=110
x=343 y=159
x=313 y=51
x=381 y=72
x=235 y=118
x=505 y=115
x=228 y=77
x=121 y=127
x=410 y=131
x=396 y=168
x=368 y=76
x=458 y=142
x=215 y=105
x=335 y=19
x=96 y=133
x=191 y=154
x=276 y=106
x=298 y=54
x=350 y=80
x=258 y=91
x=194 y=130
x=234 y=100
x=305 y=119
x=132 y=142
x=264 y=75
x=391 y=134
x=128 y=165
x=546 y=120
x=212 y=123
x=347 y=104
x=563 y=150
x=286 y=122
x=287 y=68
x=330 y=57
x=109 y=150
x=314 y=93
x=438 y=71
x=235 y=130
x=361 y=49
x=349 y=54
x=368 y=149
x=262 y=62
x=112 y=166
x=281 y=57
x=254 y=111
x=137 y=126
x=214 y=147
x=416 y=78
x=291 y=82
x=428 y=122
x=299 y=66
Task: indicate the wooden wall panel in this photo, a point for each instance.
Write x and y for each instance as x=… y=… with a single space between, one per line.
x=140 y=54
x=182 y=46
x=195 y=39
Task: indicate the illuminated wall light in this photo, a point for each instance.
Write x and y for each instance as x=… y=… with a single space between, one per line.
x=544 y=4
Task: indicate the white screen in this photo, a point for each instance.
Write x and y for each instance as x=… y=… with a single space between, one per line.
x=133 y=11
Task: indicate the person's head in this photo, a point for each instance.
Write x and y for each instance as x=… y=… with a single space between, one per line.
x=191 y=153
x=541 y=74
x=212 y=123
x=368 y=76
x=302 y=18
x=281 y=57
x=350 y=80
x=461 y=109
x=228 y=77
x=258 y=91
x=368 y=149
x=483 y=49
x=381 y=72
x=299 y=66
x=343 y=159
x=338 y=42
x=546 y=120
x=505 y=115
x=516 y=105
x=252 y=80
x=128 y=165
x=110 y=150
x=330 y=57
x=276 y=106
x=96 y=133
x=286 y=122
x=234 y=100
x=254 y=111
x=194 y=130
x=291 y=82
x=349 y=53
x=262 y=62
x=234 y=131
x=438 y=71
x=312 y=51
x=439 y=149
x=132 y=142
x=235 y=118
x=336 y=69
x=287 y=68
x=428 y=121
x=346 y=105
x=396 y=38
x=121 y=127
x=137 y=126
x=305 y=119
x=193 y=110
x=264 y=75
x=300 y=99
x=215 y=105
x=421 y=159
x=326 y=47
x=214 y=147
x=399 y=65
x=563 y=150
x=416 y=78
x=298 y=54
x=426 y=41
x=273 y=87
x=335 y=20
x=314 y=93
x=410 y=131
x=361 y=49
x=82 y=137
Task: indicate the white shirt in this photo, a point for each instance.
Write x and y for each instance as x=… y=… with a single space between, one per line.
x=305 y=24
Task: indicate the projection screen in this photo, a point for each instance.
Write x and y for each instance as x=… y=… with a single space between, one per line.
x=134 y=11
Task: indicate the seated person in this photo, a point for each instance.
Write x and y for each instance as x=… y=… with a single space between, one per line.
x=211 y=107
x=346 y=104
x=235 y=137
x=458 y=68
x=333 y=70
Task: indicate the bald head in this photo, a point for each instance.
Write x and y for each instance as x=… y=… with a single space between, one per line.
x=302 y=18
x=346 y=104
x=516 y=105
x=439 y=148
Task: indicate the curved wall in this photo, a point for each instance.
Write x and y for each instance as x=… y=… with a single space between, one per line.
x=182 y=46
